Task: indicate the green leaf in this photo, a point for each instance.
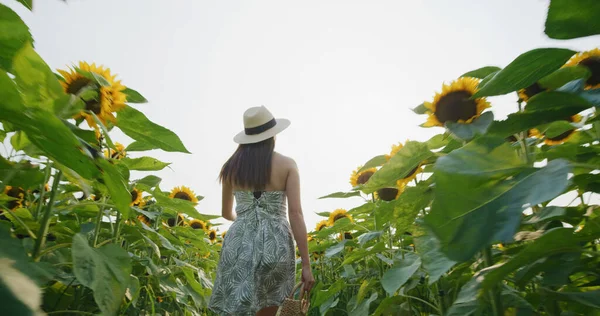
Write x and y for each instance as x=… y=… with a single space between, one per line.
x=361 y=254
x=437 y=141
x=134 y=96
x=482 y=72
x=14 y=34
x=27 y=3
x=150 y=181
x=139 y=146
x=481 y=190
x=556 y=100
x=153 y=246
x=525 y=70
x=395 y=277
x=467 y=302
x=363 y=308
x=588 y=182
x=335 y=249
x=557 y=128
x=180 y=206
x=2 y=135
x=399 y=166
x=19 y=141
x=374 y=162
x=117 y=187
x=20 y=295
x=563 y=76
x=420 y=109
x=12 y=249
x=323 y=295
x=555 y=241
x=104 y=270
x=144 y=163
x=364 y=238
x=466 y=132
x=137 y=126
x=35 y=79
x=550 y=212
x=569 y=19
x=591 y=298
x=409 y=204
x=341 y=195
x=435 y=263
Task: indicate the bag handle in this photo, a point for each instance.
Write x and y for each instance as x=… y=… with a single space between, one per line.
x=301 y=286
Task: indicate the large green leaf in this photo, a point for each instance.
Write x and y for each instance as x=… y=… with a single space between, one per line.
x=399 y=166
x=590 y=299
x=521 y=121
x=467 y=302
x=435 y=263
x=137 y=126
x=363 y=308
x=21 y=174
x=374 y=162
x=134 y=96
x=20 y=295
x=466 y=132
x=558 y=240
x=556 y=100
x=569 y=19
x=550 y=212
x=14 y=34
x=139 y=146
x=563 y=76
x=341 y=195
x=525 y=70
x=409 y=204
x=117 y=186
x=395 y=277
x=13 y=250
x=180 y=206
x=481 y=190
x=37 y=83
x=481 y=72
x=104 y=270
x=44 y=130
x=144 y=163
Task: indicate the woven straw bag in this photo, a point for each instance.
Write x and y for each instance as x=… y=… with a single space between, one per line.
x=293 y=307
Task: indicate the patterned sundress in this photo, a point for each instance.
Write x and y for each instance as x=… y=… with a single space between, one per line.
x=257 y=263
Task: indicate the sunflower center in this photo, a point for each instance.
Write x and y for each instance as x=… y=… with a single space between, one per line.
x=339 y=216
x=182 y=196
x=562 y=136
x=412 y=172
x=364 y=177
x=455 y=106
x=196 y=225
x=533 y=89
x=593 y=64
x=347 y=235
x=134 y=195
x=212 y=235
x=93 y=106
x=77 y=85
x=387 y=194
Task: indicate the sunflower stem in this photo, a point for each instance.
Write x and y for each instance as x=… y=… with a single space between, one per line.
x=493 y=292
x=117 y=226
x=98 y=222
x=45 y=224
x=38 y=209
x=29 y=232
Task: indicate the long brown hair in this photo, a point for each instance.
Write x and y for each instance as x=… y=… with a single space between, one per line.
x=250 y=165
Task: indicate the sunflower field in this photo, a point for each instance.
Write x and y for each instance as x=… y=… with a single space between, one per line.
x=490 y=217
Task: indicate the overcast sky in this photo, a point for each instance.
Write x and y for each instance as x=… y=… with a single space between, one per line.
x=346 y=73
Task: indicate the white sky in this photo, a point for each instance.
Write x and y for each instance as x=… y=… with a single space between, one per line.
x=346 y=73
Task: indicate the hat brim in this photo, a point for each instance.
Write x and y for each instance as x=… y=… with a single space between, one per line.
x=280 y=125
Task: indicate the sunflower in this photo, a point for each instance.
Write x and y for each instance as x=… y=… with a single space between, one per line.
x=179 y=221
x=17 y=193
x=317 y=255
x=346 y=235
x=394 y=151
x=212 y=235
x=223 y=234
x=412 y=174
x=454 y=103
x=337 y=215
x=322 y=224
x=183 y=193
x=361 y=177
x=110 y=98
x=591 y=61
x=115 y=154
x=390 y=194
x=136 y=197
x=197 y=224
x=559 y=139
x=527 y=93
x=144 y=219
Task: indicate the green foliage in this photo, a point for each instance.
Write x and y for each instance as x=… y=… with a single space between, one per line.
x=568 y=19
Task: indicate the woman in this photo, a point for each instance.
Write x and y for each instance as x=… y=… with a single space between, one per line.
x=257 y=265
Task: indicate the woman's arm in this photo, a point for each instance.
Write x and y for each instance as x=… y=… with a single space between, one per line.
x=297 y=222
x=227 y=202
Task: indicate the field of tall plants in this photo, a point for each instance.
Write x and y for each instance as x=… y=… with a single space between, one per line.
x=489 y=217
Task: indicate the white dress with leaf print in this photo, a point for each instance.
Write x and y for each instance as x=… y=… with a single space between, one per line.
x=257 y=263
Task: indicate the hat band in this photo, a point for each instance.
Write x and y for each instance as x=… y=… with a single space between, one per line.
x=261 y=128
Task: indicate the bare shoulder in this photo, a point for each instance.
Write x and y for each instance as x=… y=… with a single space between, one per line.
x=284 y=162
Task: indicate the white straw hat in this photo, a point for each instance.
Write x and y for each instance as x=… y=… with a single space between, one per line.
x=259 y=125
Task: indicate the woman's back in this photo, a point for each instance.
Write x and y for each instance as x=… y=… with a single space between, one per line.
x=280 y=169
